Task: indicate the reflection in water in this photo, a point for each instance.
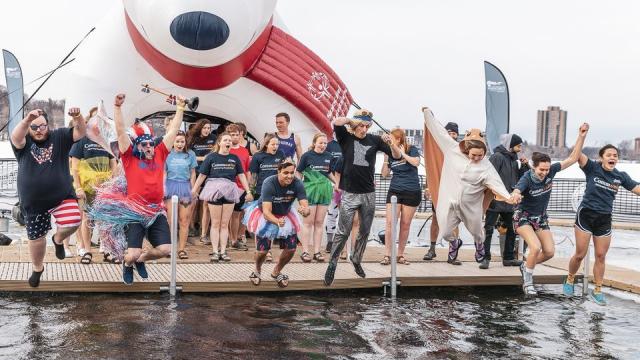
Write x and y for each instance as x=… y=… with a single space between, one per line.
x=441 y=323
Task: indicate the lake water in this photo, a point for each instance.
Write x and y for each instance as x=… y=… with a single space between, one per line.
x=440 y=323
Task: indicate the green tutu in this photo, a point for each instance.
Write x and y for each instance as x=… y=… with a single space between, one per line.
x=318 y=187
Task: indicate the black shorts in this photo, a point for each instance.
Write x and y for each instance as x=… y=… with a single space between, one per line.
x=240 y=204
x=157 y=234
x=221 y=201
x=407 y=198
x=594 y=223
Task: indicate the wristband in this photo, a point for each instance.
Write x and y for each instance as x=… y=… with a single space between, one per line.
x=180 y=108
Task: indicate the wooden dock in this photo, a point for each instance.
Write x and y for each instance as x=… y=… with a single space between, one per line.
x=234 y=277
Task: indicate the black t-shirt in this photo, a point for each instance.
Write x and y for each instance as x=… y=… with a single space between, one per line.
x=203 y=146
x=359 y=157
x=335 y=150
x=315 y=161
x=44 y=180
x=536 y=193
x=602 y=186
x=221 y=166
x=281 y=197
x=88 y=149
x=264 y=165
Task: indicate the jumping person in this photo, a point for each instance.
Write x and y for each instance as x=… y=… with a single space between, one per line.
x=289 y=143
x=245 y=157
x=405 y=185
x=201 y=140
x=314 y=169
x=452 y=130
x=461 y=201
x=180 y=168
x=220 y=168
x=144 y=165
x=263 y=165
x=333 y=210
x=91 y=165
x=359 y=156
x=44 y=187
x=593 y=218
x=530 y=217
x=505 y=160
x=272 y=218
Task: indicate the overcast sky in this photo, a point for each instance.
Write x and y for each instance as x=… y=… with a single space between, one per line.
x=396 y=56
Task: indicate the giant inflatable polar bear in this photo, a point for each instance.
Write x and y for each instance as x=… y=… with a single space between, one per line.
x=233 y=54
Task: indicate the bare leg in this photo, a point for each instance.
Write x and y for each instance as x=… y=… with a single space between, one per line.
x=227 y=210
x=582 y=246
x=526 y=232
x=234 y=225
x=600 y=247
x=285 y=257
x=318 y=224
x=307 y=228
x=216 y=218
x=406 y=216
x=155 y=253
x=388 y=227
x=204 y=222
x=37 y=249
x=184 y=213
x=548 y=246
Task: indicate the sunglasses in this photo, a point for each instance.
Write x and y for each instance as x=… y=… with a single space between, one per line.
x=38 y=127
x=146 y=143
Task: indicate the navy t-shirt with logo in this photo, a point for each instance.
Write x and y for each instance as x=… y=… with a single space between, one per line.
x=264 y=165
x=405 y=176
x=221 y=166
x=281 y=197
x=88 y=149
x=536 y=194
x=204 y=146
x=44 y=180
x=315 y=161
x=333 y=148
x=602 y=186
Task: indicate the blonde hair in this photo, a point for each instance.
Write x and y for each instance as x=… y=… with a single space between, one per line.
x=216 y=147
x=315 y=139
x=398 y=132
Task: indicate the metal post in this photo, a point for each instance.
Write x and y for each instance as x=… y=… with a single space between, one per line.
x=585 y=277
x=174 y=244
x=394 y=236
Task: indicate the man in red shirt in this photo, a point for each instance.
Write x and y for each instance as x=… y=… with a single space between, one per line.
x=235 y=226
x=143 y=164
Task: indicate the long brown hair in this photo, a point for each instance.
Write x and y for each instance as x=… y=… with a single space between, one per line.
x=315 y=138
x=181 y=133
x=474 y=144
x=265 y=142
x=195 y=130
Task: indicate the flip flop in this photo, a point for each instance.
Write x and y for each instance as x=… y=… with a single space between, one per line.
x=86 y=258
x=280 y=279
x=255 y=278
x=182 y=255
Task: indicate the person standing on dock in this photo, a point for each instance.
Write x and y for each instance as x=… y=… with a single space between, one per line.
x=466 y=175
x=505 y=160
x=359 y=151
x=333 y=210
x=201 y=140
x=272 y=218
x=593 y=217
x=452 y=130
x=405 y=185
x=530 y=218
x=288 y=142
x=144 y=169
x=243 y=153
x=44 y=184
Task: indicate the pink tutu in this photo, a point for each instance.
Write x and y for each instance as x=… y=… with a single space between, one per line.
x=218 y=188
x=257 y=224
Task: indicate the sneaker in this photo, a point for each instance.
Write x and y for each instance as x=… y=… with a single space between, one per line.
x=454 y=248
x=522 y=270
x=330 y=274
x=567 y=289
x=511 y=262
x=238 y=245
x=359 y=270
x=224 y=257
x=205 y=240
x=68 y=253
x=431 y=254
x=527 y=284
x=598 y=298
x=479 y=252
x=215 y=257
x=484 y=265
x=127 y=274
x=142 y=270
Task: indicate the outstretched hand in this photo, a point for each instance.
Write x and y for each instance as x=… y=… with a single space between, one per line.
x=584 y=129
x=119 y=100
x=34 y=114
x=74 y=112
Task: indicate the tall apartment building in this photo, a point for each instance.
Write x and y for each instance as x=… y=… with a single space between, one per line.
x=552 y=127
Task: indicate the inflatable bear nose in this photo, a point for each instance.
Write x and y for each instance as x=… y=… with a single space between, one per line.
x=199 y=30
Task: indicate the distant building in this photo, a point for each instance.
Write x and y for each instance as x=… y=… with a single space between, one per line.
x=552 y=127
x=636 y=147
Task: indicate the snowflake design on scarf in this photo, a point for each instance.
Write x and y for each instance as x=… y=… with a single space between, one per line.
x=42 y=155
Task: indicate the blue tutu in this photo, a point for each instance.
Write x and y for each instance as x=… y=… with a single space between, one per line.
x=181 y=188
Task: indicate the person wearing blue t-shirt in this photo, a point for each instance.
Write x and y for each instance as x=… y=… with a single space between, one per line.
x=319 y=182
x=593 y=218
x=220 y=168
x=405 y=185
x=180 y=168
x=530 y=217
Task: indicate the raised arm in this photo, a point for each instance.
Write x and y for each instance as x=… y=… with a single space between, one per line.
x=386 y=171
x=124 y=142
x=19 y=133
x=576 y=154
x=174 y=125
x=79 y=124
x=439 y=133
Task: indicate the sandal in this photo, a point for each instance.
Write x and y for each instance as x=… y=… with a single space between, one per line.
x=343 y=255
x=281 y=279
x=255 y=278
x=182 y=255
x=86 y=258
x=225 y=257
x=305 y=257
x=108 y=258
x=269 y=257
x=402 y=260
x=215 y=257
x=386 y=260
x=318 y=257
